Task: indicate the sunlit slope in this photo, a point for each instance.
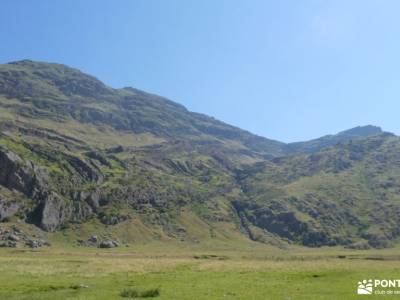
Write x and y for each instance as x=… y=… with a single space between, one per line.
x=79 y=157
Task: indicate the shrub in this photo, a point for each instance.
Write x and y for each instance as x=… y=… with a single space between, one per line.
x=150 y=293
x=129 y=293
x=133 y=293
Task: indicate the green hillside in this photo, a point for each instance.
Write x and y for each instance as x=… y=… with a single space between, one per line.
x=79 y=158
x=347 y=194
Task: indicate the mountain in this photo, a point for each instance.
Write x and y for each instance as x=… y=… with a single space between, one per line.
x=56 y=93
x=347 y=194
x=331 y=140
x=82 y=158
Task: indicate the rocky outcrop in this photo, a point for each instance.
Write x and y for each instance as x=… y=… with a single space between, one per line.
x=31 y=180
x=92 y=241
x=55 y=211
x=52 y=208
x=15 y=174
x=95 y=241
x=112 y=219
x=14 y=237
x=91 y=198
x=84 y=169
x=8 y=244
x=282 y=222
x=7 y=209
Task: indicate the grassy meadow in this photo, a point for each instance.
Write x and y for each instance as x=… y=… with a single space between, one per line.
x=170 y=271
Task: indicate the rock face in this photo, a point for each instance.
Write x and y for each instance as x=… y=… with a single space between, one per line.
x=55 y=211
x=15 y=173
x=25 y=177
x=52 y=209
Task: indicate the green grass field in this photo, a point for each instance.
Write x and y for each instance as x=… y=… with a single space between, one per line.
x=174 y=272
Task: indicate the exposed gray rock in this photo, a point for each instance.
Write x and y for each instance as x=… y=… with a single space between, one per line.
x=93 y=239
x=93 y=199
x=13 y=237
x=55 y=211
x=109 y=244
x=85 y=169
x=14 y=174
x=7 y=209
x=113 y=220
x=33 y=244
x=36 y=243
x=8 y=244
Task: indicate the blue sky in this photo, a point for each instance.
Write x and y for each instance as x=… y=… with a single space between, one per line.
x=287 y=70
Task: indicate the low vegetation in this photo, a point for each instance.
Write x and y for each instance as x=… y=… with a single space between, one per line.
x=170 y=272
x=134 y=293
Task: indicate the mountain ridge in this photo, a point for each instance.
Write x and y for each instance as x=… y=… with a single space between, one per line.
x=359 y=131
x=79 y=156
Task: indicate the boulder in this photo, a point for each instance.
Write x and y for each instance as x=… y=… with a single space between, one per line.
x=13 y=237
x=109 y=244
x=36 y=243
x=113 y=219
x=93 y=239
x=32 y=243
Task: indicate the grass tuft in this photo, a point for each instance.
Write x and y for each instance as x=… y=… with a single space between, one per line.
x=133 y=293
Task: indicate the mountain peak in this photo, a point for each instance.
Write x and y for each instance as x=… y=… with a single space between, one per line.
x=28 y=78
x=58 y=91
x=355 y=133
x=361 y=131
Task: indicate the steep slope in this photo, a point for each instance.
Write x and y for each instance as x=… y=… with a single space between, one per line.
x=77 y=151
x=40 y=91
x=82 y=158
